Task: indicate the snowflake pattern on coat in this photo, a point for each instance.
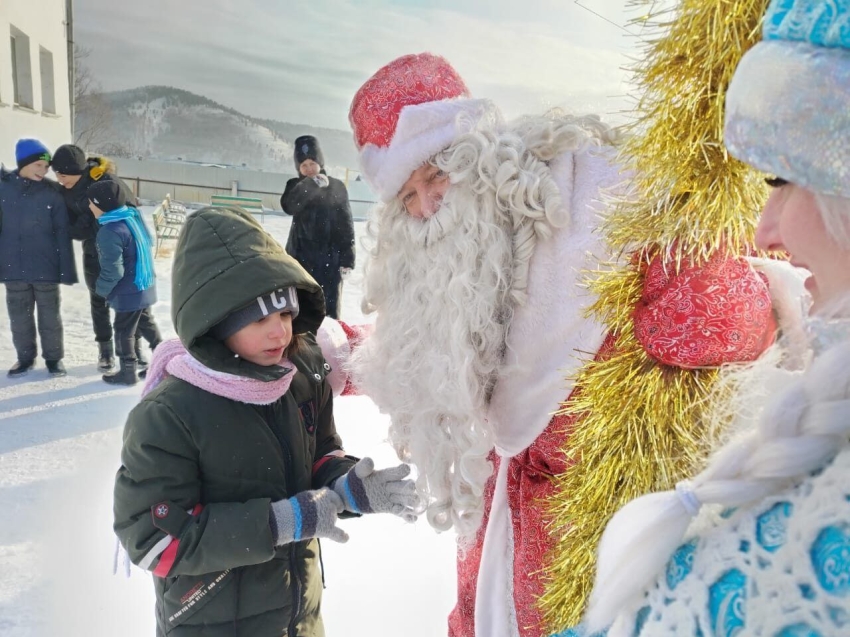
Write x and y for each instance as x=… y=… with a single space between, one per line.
x=530 y=482
x=780 y=568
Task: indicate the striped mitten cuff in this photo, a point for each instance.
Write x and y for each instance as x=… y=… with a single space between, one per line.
x=307 y=515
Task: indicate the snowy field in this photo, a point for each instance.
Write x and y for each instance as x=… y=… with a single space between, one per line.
x=60 y=441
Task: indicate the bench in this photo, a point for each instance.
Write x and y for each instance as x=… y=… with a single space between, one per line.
x=168 y=220
x=250 y=204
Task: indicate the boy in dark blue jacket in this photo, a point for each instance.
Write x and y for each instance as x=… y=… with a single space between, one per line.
x=36 y=256
x=127 y=279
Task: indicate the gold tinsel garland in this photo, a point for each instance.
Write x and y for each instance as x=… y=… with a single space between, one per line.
x=639 y=423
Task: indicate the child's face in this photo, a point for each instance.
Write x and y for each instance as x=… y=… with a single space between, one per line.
x=263 y=342
x=309 y=168
x=35 y=171
x=68 y=181
x=97 y=212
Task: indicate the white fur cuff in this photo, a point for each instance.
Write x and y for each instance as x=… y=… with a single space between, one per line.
x=336 y=349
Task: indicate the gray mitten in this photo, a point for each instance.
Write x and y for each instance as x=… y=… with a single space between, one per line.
x=364 y=490
x=308 y=514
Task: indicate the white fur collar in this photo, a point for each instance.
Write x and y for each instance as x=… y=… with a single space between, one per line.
x=787 y=291
x=551 y=337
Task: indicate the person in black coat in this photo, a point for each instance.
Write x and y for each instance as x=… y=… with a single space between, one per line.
x=76 y=173
x=322 y=234
x=37 y=255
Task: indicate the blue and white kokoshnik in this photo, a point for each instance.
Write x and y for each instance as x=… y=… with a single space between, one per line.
x=788 y=105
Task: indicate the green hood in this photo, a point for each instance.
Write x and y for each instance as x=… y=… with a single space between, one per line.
x=224 y=260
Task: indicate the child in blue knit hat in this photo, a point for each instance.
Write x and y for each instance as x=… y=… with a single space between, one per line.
x=31 y=151
x=127 y=279
x=35 y=244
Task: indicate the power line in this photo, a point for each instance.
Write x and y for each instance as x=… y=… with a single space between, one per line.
x=599 y=15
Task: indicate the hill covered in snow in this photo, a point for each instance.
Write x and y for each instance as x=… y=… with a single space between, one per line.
x=167 y=123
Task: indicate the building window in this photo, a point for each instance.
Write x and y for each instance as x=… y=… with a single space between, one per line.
x=21 y=68
x=48 y=99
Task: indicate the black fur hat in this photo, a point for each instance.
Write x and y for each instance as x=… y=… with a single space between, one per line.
x=69 y=160
x=307 y=147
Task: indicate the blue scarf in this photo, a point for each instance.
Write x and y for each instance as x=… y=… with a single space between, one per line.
x=144 y=262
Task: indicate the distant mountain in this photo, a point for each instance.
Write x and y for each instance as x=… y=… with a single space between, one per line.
x=166 y=123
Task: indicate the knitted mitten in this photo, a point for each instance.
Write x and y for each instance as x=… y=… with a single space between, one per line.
x=364 y=490
x=308 y=514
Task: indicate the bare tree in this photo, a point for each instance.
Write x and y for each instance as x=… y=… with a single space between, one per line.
x=93 y=117
x=117 y=149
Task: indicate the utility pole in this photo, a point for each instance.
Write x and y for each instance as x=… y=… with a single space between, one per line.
x=69 y=35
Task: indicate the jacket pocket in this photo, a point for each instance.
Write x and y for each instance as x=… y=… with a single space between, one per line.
x=186 y=595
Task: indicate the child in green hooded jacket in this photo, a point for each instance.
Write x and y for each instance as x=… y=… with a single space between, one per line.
x=231 y=465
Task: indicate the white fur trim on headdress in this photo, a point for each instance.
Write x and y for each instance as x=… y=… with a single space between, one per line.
x=788 y=114
x=790 y=302
x=423 y=130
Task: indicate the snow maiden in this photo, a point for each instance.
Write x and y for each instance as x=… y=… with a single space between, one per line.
x=758 y=542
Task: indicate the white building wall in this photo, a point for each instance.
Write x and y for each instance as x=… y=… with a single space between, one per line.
x=43 y=23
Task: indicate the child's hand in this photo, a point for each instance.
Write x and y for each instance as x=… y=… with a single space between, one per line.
x=308 y=514
x=364 y=490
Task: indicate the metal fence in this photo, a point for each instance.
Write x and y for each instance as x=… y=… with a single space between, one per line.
x=196 y=184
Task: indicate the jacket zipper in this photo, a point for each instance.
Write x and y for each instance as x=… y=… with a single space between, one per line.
x=296 y=577
x=238 y=583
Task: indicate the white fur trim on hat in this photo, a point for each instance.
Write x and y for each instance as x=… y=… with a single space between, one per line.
x=423 y=130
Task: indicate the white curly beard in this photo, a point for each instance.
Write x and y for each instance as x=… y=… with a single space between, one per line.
x=442 y=289
x=445 y=290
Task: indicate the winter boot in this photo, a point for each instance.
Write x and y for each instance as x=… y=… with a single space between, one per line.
x=20 y=369
x=56 y=368
x=106 y=361
x=141 y=361
x=143 y=371
x=126 y=375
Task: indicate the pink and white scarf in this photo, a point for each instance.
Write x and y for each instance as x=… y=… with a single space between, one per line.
x=170 y=358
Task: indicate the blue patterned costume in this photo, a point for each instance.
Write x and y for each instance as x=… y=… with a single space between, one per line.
x=781 y=569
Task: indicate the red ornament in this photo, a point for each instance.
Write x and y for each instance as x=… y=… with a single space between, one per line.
x=704 y=315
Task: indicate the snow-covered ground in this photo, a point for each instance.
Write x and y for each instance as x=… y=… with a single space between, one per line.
x=59 y=448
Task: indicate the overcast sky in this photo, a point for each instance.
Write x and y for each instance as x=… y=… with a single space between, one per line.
x=302 y=61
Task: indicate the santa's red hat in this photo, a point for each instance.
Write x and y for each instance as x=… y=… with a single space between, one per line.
x=405 y=114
